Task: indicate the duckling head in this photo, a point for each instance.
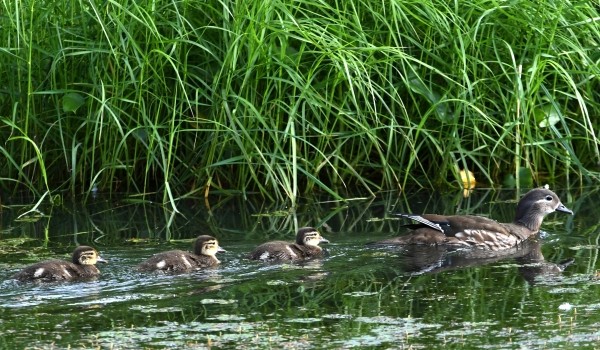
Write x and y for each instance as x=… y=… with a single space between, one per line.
x=309 y=236
x=84 y=255
x=207 y=245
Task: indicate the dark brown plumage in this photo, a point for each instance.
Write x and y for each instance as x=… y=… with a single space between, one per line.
x=205 y=249
x=305 y=247
x=82 y=266
x=481 y=232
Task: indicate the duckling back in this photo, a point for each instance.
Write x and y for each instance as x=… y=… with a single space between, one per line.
x=305 y=247
x=205 y=249
x=82 y=266
x=283 y=251
x=177 y=261
x=56 y=270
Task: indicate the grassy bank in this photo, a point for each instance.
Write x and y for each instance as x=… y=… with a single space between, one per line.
x=290 y=97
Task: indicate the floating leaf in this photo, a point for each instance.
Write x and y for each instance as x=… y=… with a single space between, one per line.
x=30 y=216
x=360 y=294
x=218 y=301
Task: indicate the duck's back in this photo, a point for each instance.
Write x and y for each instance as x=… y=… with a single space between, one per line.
x=482 y=232
x=56 y=270
x=274 y=251
x=462 y=231
x=177 y=261
x=284 y=251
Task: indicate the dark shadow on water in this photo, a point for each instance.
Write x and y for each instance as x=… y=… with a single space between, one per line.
x=422 y=259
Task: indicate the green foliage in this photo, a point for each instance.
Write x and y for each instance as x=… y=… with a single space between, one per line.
x=290 y=97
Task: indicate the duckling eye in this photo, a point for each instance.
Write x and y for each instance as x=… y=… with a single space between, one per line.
x=549 y=198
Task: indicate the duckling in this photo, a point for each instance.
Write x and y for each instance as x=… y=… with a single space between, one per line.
x=481 y=232
x=305 y=247
x=205 y=249
x=83 y=265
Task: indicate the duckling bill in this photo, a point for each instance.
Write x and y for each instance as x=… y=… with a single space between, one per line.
x=482 y=232
x=306 y=246
x=83 y=265
x=205 y=250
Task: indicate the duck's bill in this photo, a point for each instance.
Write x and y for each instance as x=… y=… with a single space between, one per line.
x=564 y=209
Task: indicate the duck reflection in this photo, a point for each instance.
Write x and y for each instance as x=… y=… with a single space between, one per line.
x=420 y=259
x=534 y=267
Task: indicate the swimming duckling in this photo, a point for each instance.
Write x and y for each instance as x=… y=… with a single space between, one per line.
x=82 y=266
x=482 y=232
x=305 y=247
x=205 y=249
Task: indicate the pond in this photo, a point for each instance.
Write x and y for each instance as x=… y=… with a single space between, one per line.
x=359 y=297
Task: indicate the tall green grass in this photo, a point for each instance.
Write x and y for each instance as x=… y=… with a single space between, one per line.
x=287 y=98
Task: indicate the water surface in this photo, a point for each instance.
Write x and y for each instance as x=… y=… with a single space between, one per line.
x=358 y=297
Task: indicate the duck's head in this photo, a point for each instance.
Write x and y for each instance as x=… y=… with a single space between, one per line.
x=309 y=236
x=207 y=245
x=84 y=255
x=535 y=205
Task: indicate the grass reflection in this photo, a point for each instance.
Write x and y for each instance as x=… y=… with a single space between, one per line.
x=357 y=297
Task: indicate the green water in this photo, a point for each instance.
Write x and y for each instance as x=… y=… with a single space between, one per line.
x=357 y=298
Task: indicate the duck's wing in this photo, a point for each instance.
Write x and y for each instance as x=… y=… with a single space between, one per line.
x=462 y=230
x=433 y=221
x=202 y=261
x=275 y=251
x=48 y=271
x=169 y=261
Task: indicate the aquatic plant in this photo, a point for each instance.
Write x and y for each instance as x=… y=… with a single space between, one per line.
x=286 y=98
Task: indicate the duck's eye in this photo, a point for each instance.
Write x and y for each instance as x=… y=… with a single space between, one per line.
x=549 y=198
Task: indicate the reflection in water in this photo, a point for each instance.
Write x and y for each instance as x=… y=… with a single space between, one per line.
x=354 y=298
x=421 y=259
x=534 y=267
